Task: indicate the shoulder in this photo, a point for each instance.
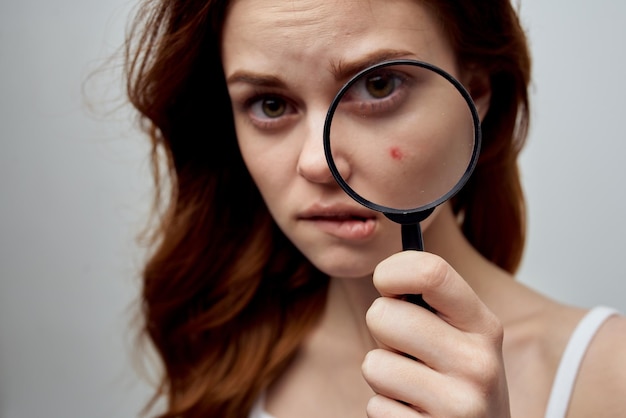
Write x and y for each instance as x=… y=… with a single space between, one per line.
x=601 y=383
x=537 y=344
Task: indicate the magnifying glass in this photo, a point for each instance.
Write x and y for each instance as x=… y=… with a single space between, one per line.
x=402 y=137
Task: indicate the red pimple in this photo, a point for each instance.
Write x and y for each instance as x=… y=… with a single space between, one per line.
x=396 y=153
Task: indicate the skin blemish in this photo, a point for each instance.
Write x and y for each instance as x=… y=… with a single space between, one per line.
x=396 y=153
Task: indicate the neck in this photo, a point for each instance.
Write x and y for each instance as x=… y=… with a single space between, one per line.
x=347 y=304
x=349 y=299
x=444 y=238
x=495 y=287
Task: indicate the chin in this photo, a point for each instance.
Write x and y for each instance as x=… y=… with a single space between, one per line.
x=348 y=264
x=343 y=273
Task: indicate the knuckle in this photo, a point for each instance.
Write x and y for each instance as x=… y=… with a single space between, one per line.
x=468 y=402
x=479 y=363
x=436 y=270
x=492 y=330
x=485 y=369
x=496 y=331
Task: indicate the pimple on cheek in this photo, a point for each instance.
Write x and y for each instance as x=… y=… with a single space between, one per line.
x=396 y=153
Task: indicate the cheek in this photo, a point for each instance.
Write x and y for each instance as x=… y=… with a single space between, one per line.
x=396 y=153
x=267 y=181
x=261 y=172
x=268 y=167
x=254 y=163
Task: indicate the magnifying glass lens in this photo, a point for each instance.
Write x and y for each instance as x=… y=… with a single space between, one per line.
x=406 y=133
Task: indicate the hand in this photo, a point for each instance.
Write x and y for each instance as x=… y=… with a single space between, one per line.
x=444 y=364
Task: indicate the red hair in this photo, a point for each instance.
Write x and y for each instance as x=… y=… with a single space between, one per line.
x=488 y=36
x=226 y=298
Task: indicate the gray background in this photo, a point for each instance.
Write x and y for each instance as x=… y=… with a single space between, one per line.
x=74 y=193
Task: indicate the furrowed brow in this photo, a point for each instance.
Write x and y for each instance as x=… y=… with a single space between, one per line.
x=342 y=70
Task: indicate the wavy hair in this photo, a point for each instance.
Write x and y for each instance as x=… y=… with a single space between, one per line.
x=226 y=298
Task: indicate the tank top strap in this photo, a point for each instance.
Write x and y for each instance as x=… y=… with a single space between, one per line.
x=258 y=410
x=572 y=358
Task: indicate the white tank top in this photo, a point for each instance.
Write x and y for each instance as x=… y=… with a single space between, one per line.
x=566 y=373
x=572 y=358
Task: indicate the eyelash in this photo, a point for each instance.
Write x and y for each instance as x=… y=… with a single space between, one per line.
x=252 y=107
x=401 y=83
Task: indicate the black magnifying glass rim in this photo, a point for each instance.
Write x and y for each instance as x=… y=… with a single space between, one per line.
x=398 y=214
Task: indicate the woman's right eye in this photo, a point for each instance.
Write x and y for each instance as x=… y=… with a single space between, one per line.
x=269 y=112
x=270 y=107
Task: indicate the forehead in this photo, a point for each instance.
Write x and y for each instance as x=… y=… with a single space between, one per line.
x=329 y=31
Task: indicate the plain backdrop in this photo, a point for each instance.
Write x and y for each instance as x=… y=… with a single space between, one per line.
x=75 y=192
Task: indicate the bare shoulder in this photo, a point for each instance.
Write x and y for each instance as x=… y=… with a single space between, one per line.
x=534 y=347
x=534 y=344
x=601 y=385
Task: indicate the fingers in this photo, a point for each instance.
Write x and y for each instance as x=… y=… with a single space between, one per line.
x=397 y=377
x=443 y=363
x=416 y=272
x=401 y=327
x=382 y=407
x=420 y=391
x=406 y=328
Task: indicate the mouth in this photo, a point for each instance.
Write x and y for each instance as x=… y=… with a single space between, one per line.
x=339 y=218
x=343 y=223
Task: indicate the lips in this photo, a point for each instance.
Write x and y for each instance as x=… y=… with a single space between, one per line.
x=341 y=221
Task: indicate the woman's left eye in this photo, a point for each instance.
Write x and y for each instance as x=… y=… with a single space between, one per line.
x=380 y=86
x=377 y=93
x=376 y=86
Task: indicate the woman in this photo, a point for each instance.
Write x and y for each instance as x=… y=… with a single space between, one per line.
x=271 y=293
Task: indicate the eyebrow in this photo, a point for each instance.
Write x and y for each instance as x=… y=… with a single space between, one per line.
x=255 y=79
x=341 y=70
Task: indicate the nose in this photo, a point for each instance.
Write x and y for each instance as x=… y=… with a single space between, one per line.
x=312 y=163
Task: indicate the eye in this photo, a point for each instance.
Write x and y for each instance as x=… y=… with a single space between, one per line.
x=376 y=93
x=270 y=107
x=269 y=111
x=380 y=85
x=376 y=86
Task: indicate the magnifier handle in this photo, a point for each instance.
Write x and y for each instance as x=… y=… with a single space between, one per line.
x=412 y=239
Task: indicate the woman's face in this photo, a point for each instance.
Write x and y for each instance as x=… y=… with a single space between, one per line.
x=284 y=61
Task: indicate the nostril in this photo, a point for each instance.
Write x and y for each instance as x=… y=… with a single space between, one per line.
x=342 y=167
